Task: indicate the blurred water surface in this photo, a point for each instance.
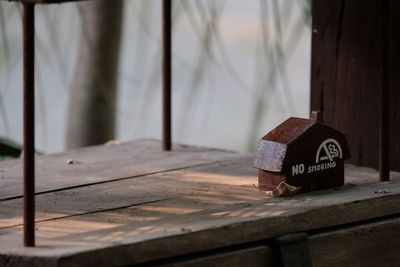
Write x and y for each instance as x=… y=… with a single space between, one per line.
x=226 y=96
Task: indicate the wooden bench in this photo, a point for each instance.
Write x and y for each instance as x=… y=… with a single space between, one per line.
x=132 y=204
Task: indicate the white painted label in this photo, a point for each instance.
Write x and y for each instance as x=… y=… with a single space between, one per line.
x=327 y=152
x=331 y=150
x=297 y=169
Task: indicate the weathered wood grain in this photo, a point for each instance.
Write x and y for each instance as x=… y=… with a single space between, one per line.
x=366 y=245
x=185 y=202
x=224 y=210
x=101 y=164
x=23 y=260
x=255 y=256
x=370 y=244
x=346 y=73
x=144 y=189
x=216 y=178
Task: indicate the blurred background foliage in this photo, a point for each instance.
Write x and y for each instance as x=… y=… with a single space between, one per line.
x=239 y=69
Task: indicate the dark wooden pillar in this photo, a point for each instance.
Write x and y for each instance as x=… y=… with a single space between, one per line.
x=346 y=73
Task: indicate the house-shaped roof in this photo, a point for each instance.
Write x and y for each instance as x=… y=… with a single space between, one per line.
x=289 y=130
x=286 y=142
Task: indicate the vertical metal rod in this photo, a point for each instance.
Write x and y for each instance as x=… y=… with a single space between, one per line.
x=28 y=25
x=384 y=166
x=167 y=72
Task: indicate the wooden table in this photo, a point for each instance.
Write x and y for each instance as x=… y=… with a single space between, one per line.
x=131 y=203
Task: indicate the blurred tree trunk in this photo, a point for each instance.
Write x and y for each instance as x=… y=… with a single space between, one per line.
x=92 y=104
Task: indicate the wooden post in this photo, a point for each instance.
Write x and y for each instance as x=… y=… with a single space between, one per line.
x=348 y=73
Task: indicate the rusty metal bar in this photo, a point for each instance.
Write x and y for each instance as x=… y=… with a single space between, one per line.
x=167 y=73
x=28 y=25
x=384 y=127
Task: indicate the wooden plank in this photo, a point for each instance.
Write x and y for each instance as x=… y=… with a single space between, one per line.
x=255 y=256
x=371 y=244
x=374 y=244
x=101 y=164
x=220 y=208
x=394 y=92
x=346 y=73
x=23 y=260
x=326 y=28
x=127 y=193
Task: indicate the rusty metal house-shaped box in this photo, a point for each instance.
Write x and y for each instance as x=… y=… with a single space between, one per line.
x=303 y=153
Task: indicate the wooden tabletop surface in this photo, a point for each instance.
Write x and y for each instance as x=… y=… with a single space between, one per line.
x=132 y=202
